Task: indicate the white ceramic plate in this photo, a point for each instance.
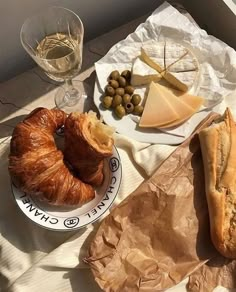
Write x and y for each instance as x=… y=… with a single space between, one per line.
x=129 y=127
x=71 y=218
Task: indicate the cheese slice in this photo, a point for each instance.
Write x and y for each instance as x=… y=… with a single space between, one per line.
x=176 y=63
x=193 y=101
x=174 y=81
x=143 y=74
x=189 y=101
x=183 y=110
x=157 y=110
x=151 y=57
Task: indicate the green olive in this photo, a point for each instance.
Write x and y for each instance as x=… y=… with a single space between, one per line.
x=129 y=107
x=109 y=90
x=117 y=100
x=136 y=98
x=114 y=75
x=126 y=98
x=122 y=81
x=120 y=111
x=120 y=91
x=126 y=74
x=129 y=89
x=138 y=110
x=107 y=101
x=113 y=83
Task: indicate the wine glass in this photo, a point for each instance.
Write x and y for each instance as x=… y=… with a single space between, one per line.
x=54 y=39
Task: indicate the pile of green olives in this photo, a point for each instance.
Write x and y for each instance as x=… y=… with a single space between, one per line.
x=119 y=95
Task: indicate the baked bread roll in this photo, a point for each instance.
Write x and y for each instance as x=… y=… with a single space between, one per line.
x=87 y=142
x=218 y=145
x=36 y=165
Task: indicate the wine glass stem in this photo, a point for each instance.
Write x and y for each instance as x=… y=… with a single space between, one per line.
x=72 y=95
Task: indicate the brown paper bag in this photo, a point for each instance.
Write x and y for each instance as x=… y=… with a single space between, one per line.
x=159 y=234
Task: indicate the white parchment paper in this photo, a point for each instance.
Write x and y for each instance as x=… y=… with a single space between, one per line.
x=217 y=61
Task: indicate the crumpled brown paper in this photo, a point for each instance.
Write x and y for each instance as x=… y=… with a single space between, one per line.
x=159 y=234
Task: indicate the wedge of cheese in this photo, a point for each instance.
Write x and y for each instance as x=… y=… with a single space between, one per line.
x=192 y=100
x=161 y=103
x=154 y=53
x=143 y=74
x=151 y=57
x=185 y=105
x=176 y=63
x=157 y=110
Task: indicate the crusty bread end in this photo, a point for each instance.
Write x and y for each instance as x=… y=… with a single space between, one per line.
x=218 y=146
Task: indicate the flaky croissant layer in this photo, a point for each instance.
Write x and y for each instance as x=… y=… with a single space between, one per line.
x=87 y=142
x=36 y=165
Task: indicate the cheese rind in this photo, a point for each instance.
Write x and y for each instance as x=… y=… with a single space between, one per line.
x=154 y=52
x=143 y=74
x=150 y=57
x=186 y=63
x=178 y=66
x=179 y=58
x=157 y=110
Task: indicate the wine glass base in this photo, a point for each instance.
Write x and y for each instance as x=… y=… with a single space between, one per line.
x=77 y=103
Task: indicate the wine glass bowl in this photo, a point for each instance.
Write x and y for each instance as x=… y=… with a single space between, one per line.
x=54 y=39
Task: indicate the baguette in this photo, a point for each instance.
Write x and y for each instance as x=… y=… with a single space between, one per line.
x=218 y=146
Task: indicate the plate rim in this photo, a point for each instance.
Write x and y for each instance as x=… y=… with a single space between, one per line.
x=117 y=155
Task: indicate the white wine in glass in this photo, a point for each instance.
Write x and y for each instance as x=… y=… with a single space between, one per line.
x=54 y=39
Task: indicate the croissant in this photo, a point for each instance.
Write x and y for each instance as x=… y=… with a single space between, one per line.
x=37 y=167
x=87 y=142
